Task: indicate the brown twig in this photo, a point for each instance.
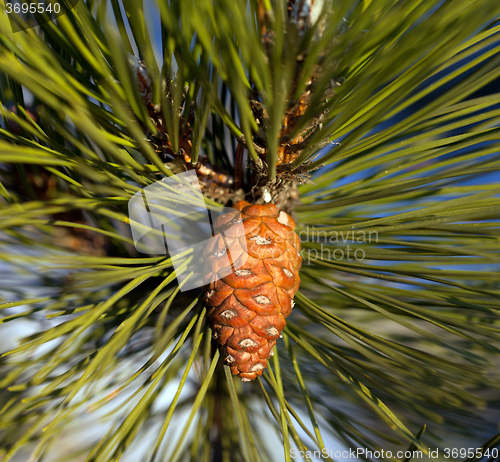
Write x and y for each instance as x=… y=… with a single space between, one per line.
x=238 y=167
x=261 y=11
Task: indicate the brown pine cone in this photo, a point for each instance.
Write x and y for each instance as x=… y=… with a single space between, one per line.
x=248 y=307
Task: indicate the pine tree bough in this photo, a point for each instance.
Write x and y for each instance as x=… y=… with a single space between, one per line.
x=249 y=306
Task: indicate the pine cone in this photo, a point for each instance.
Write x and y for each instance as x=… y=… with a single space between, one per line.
x=248 y=307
